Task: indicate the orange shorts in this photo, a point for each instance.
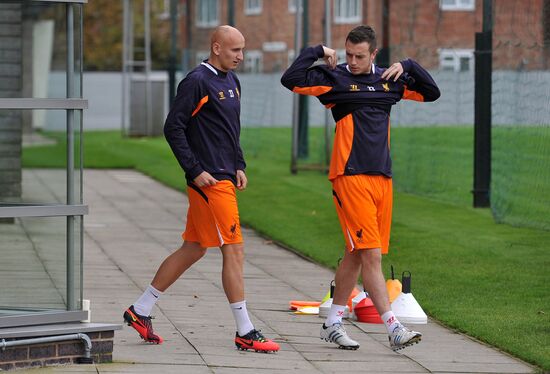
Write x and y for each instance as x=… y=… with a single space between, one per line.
x=213 y=216
x=364 y=206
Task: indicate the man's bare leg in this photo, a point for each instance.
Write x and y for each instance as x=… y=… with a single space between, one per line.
x=176 y=264
x=346 y=276
x=232 y=272
x=373 y=279
x=346 y=279
x=233 y=284
x=138 y=314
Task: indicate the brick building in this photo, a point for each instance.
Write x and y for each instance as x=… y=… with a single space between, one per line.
x=442 y=33
x=268 y=26
x=439 y=33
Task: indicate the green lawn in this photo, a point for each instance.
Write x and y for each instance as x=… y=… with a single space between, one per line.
x=485 y=279
x=521 y=176
x=438 y=163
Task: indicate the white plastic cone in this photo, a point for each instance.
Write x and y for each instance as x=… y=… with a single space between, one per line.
x=407 y=309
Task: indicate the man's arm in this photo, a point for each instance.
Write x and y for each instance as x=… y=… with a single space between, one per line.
x=241 y=164
x=422 y=83
x=301 y=79
x=189 y=100
x=419 y=84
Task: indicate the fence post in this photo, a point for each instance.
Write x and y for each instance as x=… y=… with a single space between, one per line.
x=482 y=116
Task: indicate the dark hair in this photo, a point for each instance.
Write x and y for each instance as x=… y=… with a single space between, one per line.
x=362 y=34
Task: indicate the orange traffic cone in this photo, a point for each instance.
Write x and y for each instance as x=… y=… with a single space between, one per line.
x=360 y=296
x=354 y=293
x=393 y=286
x=366 y=312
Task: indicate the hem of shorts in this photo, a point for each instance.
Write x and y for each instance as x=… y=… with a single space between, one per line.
x=332 y=177
x=233 y=242
x=220 y=245
x=212 y=245
x=364 y=247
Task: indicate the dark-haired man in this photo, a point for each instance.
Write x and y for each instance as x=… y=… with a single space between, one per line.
x=203 y=129
x=360 y=95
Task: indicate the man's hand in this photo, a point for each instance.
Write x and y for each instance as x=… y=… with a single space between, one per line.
x=393 y=71
x=204 y=179
x=330 y=57
x=242 y=181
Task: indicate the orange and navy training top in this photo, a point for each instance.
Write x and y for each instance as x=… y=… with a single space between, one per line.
x=360 y=105
x=203 y=126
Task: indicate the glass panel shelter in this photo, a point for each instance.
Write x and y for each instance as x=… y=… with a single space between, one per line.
x=41 y=212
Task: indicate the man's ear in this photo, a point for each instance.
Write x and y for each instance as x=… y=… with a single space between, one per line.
x=216 y=47
x=374 y=53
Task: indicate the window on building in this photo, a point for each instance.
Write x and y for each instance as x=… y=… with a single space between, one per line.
x=292 y=6
x=252 y=7
x=208 y=13
x=457 y=4
x=456 y=59
x=347 y=11
x=253 y=61
x=201 y=56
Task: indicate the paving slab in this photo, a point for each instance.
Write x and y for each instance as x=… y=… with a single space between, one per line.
x=135 y=222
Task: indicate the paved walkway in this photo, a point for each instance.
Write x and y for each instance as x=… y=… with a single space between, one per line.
x=134 y=222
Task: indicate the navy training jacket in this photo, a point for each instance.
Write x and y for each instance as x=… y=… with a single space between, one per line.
x=361 y=106
x=203 y=127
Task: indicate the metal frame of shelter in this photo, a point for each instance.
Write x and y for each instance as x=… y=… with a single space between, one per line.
x=74 y=207
x=300 y=140
x=129 y=62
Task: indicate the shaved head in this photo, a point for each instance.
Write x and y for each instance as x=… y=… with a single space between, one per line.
x=224 y=33
x=226 y=48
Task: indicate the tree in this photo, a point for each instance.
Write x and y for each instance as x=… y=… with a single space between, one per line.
x=103 y=28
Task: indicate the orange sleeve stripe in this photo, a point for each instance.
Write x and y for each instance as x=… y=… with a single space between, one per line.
x=203 y=101
x=412 y=95
x=331 y=105
x=313 y=91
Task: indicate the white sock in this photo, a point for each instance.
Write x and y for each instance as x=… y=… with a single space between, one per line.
x=145 y=303
x=335 y=314
x=391 y=321
x=244 y=326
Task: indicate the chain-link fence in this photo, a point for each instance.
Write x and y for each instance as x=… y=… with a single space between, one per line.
x=433 y=143
x=520 y=188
